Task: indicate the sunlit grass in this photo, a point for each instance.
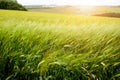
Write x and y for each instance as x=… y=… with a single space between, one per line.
x=58 y=47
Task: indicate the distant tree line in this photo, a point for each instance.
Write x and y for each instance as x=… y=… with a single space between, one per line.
x=11 y=5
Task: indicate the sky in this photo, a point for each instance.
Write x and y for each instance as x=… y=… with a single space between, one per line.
x=70 y=2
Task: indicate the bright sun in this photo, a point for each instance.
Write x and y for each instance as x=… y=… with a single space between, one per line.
x=88 y=7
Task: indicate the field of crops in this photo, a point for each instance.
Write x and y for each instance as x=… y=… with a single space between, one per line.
x=47 y=46
x=82 y=10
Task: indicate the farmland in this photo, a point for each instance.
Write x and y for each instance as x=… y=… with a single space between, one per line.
x=49 y=46
x=83 y=10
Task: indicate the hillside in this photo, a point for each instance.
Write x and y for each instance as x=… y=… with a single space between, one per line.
x=109 y=11
x=49 y=46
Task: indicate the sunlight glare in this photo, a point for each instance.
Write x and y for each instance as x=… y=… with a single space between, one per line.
x=87 y=10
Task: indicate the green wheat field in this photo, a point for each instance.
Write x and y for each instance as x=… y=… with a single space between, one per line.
x=52 y=46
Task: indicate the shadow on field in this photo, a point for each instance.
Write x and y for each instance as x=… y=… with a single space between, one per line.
x=117 y=15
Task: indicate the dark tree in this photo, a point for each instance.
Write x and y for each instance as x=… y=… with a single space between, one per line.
x=11 y=5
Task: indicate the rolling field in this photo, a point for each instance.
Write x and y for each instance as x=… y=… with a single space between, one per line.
x=83 y=10
x=49 y=46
